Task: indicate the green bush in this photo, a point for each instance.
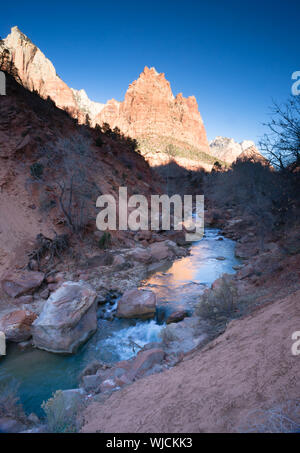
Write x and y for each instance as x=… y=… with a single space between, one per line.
x=105 y=240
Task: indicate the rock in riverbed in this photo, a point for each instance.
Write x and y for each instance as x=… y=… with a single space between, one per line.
x=137 y=303
x=67 y=320
x=176 y=316
x=17 y=325
x=25 y=282
x=124 y=373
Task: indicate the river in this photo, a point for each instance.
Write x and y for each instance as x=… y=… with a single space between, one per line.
x=40 y=373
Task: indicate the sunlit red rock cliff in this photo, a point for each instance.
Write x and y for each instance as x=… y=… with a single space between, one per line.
x=37 y=73
x=150 y=112
x=150 y=108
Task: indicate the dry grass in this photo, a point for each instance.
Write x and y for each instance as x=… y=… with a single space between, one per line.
x=10 y=405
x=284 y=418
x=59 y=418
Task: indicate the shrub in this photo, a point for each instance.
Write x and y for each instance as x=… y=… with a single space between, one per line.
x=106 y=129
x=105 y=240
x=10 y=405
x=282 y=418
x=54 y=247
x=62 y=412
x=36 y=170
x=99 y=141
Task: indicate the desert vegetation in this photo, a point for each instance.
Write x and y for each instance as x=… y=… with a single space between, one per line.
x=266 y=196
x=173 y=148
x=10 y=405
x=115 y=134
x=58 y=417
x=280 y=418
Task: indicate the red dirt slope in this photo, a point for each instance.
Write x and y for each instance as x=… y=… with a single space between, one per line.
x=248 y=368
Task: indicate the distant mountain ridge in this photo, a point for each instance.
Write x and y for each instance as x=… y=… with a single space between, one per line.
x=149 y=113
x=227 y=150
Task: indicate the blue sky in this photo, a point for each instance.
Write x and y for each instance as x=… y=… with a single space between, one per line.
x=234 y=56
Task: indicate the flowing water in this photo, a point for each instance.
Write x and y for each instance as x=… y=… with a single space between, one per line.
x=40 y=373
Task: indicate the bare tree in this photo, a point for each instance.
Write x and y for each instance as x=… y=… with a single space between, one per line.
x=282 y=143
x=253 y=188
x=72 y=204
x=69 y=163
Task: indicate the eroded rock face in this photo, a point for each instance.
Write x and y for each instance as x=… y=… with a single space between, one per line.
x=67 y=320
x=87 y=106
x=17 y=325
x=150 y=108
x=37 y=73
x=137 y=303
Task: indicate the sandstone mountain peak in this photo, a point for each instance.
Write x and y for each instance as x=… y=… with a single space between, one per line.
x=150 y=109
x=37 y=73
x=150 y=71
x=16 y=30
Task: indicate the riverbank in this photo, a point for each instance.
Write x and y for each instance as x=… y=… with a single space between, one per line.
x=259 y=280
x=118 y=339
x=244 y=380
x=229 y=386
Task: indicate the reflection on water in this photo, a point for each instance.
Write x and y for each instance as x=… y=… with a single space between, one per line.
x=182 y=282
x=40 y=373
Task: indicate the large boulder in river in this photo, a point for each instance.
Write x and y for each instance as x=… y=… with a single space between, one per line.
x=16 y=325
x=25 y=282
x=137 y=303
x=67 y=320
x=160 y=251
